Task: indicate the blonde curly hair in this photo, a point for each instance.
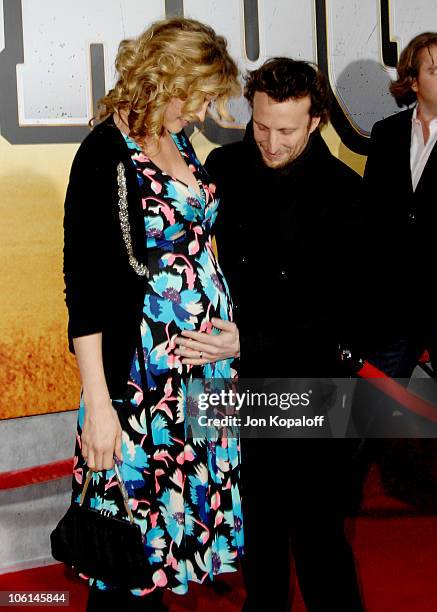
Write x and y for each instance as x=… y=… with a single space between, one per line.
x=174 y=58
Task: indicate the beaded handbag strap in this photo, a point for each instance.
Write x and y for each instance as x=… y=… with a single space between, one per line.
x=121 y=486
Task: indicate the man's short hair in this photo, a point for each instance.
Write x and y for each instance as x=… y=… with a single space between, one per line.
x=283 y=78
x=408 y=68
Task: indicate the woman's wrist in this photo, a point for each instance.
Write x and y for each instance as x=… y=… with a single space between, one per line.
x=94 y=399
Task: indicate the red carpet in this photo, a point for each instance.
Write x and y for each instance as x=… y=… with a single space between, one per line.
x=396 y=554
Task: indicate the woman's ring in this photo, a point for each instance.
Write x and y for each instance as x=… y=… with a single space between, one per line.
x=200 y=355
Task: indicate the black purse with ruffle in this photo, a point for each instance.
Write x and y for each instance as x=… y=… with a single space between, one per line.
x=97 y=544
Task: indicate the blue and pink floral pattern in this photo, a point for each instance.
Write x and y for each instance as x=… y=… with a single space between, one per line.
x=191 y=514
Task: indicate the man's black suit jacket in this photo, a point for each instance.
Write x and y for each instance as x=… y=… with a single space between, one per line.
x=400 y=236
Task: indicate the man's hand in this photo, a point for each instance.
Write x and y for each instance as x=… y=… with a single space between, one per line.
x=199 y=348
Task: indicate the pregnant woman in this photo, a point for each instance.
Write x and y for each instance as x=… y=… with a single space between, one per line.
x=141 y=281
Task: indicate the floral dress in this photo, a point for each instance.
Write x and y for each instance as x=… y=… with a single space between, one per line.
x=191 y=515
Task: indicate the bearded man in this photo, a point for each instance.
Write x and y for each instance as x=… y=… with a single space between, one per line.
x=285 y=244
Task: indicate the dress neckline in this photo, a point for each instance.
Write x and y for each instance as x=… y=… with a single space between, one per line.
x=201 y=196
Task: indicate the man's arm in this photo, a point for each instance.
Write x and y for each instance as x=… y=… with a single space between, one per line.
x=368 y=238
x=220 y=165
x=375 y=170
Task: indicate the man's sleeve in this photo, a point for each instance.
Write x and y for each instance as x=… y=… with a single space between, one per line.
x=349 y=246
x=215 y=167
x=212 y=164
x=365 y=269
x=374 y=172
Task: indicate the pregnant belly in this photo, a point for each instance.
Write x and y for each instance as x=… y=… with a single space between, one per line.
x=186 y=291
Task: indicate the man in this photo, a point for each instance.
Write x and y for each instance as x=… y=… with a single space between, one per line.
x=400 y=182
x=283 y=240
x=401 y=213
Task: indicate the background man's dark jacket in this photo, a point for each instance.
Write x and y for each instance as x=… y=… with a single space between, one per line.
x=286 y=246
x=401 y=233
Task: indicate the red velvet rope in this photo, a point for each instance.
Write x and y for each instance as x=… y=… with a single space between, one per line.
x=60 y=469
x=36 y=475
x=400 y=394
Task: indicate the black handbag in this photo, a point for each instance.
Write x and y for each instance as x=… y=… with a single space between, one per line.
x=102 y=546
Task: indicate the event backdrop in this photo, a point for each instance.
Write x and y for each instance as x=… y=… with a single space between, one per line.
x=56 y=60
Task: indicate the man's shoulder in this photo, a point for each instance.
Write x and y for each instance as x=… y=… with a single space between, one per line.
x=222 y=161
x=226 y=152
x=335 y=168
x=342 y=168
x=348 y=175
x=393 y=122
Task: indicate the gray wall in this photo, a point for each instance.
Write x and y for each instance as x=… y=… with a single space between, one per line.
x=28 y=514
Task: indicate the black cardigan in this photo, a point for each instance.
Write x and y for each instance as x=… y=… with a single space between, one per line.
x=103 y=291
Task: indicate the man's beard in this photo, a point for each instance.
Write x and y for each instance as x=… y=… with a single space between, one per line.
x=293 y=155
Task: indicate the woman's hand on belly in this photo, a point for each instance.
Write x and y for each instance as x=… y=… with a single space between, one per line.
x=199 y=348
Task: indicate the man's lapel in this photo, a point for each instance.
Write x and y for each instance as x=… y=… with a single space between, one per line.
x=402 y=141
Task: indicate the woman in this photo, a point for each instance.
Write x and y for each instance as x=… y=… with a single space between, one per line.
x=140 y=270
